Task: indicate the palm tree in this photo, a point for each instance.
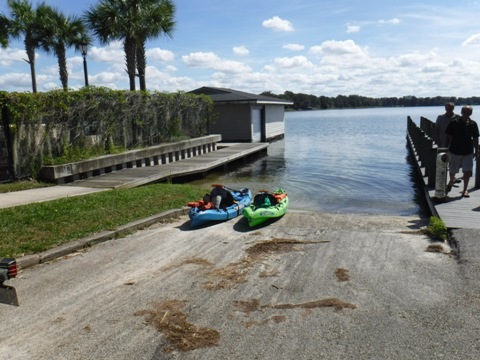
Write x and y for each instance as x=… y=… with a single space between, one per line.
x=133 y=22
x=107 y=20
x=26 y=21
x=157 y=20
x=62 y=33
x=4 y=25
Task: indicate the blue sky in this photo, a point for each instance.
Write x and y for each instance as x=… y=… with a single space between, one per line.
x=371 y=48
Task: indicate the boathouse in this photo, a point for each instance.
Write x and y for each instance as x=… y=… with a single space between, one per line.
x=245 y=117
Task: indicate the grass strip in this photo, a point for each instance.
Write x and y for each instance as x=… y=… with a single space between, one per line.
x=22 y=185
x=29 y=229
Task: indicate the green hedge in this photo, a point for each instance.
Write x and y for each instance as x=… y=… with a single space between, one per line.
x=56 y=124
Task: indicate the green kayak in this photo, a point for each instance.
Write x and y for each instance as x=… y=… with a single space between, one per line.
x=265 y=206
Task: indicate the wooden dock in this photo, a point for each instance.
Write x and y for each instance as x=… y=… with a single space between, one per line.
x=455 y=211
x=137 y=176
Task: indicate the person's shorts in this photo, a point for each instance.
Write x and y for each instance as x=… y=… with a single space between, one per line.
x=460 y=161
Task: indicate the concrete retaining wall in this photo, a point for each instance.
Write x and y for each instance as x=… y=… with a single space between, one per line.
x=151 y=156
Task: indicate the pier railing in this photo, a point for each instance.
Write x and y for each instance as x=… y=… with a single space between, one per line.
x=420 y=139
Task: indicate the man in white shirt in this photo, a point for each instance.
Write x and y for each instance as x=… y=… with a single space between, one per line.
x=442 y=123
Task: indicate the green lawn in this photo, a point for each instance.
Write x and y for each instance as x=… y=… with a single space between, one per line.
x=33 y=228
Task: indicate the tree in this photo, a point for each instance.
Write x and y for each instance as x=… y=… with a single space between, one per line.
x=157 y=18
x=27 y=22
x=133 y=22
x=61 y=33
x=108 y=22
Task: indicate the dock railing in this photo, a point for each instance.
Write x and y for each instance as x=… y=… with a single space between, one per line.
x=421 y=143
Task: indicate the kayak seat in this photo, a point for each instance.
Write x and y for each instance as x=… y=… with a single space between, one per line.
x=264 y=200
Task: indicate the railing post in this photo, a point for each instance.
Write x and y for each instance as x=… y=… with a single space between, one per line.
x=427 y=126
x=432 y=163
x=426 y=154
x=421 y=148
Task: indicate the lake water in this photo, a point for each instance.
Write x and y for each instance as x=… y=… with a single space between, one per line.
x=341 y=161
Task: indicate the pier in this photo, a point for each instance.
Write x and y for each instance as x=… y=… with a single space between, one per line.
x=455 y=211
x=153 y=164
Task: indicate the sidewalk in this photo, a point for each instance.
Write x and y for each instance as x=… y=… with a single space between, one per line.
x=44 y=194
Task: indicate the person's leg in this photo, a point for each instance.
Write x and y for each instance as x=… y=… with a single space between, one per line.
x=453 y=167
x=450 y=182
x=466 y=177
x=467 y=165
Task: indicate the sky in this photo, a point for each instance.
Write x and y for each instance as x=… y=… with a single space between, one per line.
x=382 y=48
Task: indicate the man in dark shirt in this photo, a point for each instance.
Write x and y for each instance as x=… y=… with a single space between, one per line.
x=462 y=137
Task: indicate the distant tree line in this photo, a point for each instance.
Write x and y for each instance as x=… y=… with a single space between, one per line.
x=312 y=102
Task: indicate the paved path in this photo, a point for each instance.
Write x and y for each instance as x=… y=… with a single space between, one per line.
x=43 y=194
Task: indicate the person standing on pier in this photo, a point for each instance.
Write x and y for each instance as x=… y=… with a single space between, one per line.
x=462 y=137
x=442 y=123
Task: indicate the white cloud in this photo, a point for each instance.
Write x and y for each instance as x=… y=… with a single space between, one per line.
x=75 y=60
x=353 y=28
x=9 y=56
x=278 y=24
x=356 y=27
x=333 y=47
x=157 y=54
x=241 y=50
x=293 y=47
x=472 y=40
x=171 y=68
x=415 y=59
x=17 y=80
x=112 y=53
x=434 y=67
x=160 y=81
x=292 y=62
x=209 y=60
x=393 y=21
x=107 y=77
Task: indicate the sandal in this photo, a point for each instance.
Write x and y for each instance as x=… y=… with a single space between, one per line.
x=465 y=194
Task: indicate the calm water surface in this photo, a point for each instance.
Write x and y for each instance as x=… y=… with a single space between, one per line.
x=342 y=161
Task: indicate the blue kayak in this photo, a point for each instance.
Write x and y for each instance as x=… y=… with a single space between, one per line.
x=221 y=204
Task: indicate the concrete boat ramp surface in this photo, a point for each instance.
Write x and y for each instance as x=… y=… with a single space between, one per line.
x=308 y=286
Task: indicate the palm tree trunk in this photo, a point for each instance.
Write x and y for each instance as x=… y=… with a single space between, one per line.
x=129 y=46
x=31 y=61
x=62 y=66
x=141 y=66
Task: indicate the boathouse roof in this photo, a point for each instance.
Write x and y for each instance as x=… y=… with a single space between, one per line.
x=225 y=95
